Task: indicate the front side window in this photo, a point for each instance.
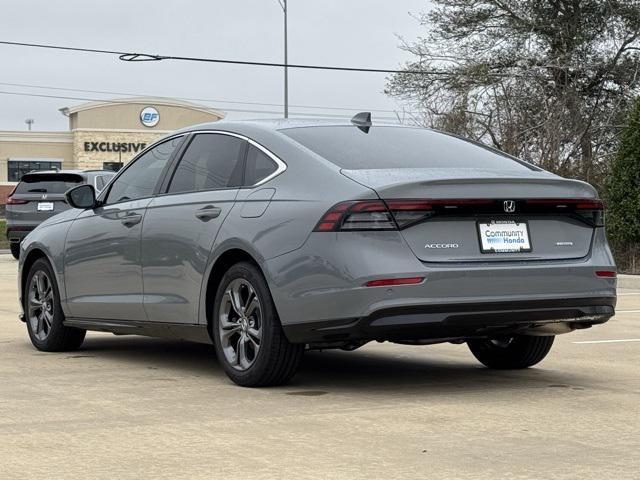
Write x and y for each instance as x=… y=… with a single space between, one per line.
x=212 y=161
x=259 y=166
x=139 y=179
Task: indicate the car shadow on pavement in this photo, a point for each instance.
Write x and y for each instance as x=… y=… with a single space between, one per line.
x=419 y=371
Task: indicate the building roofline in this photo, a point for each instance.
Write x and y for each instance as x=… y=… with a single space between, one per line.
x=145 y=101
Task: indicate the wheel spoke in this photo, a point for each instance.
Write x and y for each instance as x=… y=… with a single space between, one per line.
x=236 y=302
x=41 y=285
x=243 y=360
x=227 y=324
x=227 y=333
x=255 y=334
x=252 y=306
x=48 y=320
x=40 y=324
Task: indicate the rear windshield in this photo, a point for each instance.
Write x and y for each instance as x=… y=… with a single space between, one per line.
x=48 y=182
x=398 y=147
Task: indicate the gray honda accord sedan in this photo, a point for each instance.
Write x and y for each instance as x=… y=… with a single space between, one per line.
x=267 y=238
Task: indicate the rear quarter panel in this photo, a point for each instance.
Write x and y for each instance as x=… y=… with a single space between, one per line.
x=303 y=193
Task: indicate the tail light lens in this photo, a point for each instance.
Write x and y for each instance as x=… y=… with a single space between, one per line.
x=366 y=215
x=590 y=209
x=14 y=201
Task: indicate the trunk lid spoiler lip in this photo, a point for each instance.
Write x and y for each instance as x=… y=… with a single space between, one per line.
x=391 y=180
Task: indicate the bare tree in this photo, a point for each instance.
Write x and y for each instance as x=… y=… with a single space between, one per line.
x=548 y=81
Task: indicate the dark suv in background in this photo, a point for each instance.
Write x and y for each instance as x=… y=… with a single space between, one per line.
x=40 y=195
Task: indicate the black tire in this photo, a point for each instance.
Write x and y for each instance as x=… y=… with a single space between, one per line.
x=53 y=336
x=15 y=249
x=519 y=351
x=275 y=360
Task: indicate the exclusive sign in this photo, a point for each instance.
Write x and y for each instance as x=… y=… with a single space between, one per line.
x=114 y=147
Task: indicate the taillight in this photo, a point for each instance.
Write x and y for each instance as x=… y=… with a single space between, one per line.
x=391 y=214
x=591 y=209
x=13 y=201
x=353 y=216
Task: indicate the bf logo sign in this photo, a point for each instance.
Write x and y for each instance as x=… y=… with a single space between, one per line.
x=149 y=117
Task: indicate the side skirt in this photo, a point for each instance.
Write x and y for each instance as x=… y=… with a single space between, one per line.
x=177 y=331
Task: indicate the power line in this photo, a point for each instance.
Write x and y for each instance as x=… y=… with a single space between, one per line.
x=206 y=100
x=115 y=102
x=144 y=57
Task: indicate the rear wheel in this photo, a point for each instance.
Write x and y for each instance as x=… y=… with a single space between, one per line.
x=248 y=338
x=15 y=249
x=519 y=351
x=44 y=314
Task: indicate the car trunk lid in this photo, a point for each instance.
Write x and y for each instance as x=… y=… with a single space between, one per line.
x=476 y=215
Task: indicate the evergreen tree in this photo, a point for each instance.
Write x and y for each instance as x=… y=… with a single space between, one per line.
x=623 y=194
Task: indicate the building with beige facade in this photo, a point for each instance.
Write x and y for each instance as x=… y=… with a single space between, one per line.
x=101 y=135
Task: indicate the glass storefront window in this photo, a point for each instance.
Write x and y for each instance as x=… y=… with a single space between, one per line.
x=112 y=166
x=17 y=168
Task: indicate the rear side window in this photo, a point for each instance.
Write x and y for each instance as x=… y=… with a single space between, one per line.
x=48 y=183
x=259 y=166
x=399 y=147
x=212 y=161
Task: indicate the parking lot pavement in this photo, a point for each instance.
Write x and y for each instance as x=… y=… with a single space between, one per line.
x=132 y=407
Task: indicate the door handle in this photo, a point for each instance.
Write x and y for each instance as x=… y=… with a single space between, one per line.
x=131 y=219
x=208 y=212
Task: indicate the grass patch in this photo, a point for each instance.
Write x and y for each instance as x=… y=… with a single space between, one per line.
x=4 y=243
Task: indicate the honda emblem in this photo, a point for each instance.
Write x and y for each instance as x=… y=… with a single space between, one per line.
x=509 y=206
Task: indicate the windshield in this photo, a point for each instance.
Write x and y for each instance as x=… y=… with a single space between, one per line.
x=399 y=147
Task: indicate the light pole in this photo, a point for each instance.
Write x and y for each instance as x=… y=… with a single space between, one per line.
x=283 y=4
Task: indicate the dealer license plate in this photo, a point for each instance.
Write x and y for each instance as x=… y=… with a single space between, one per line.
x=45 y=206
x=504 y=236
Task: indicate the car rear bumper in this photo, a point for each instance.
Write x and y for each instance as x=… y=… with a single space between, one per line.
x=17 y=234
x=326 y=280
x=456 y=321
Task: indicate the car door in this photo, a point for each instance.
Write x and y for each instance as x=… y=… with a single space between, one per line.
x=103 y=273
x=182 y=223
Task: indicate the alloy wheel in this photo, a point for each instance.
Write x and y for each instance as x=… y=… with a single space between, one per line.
x=40 y=305
x=240 y=325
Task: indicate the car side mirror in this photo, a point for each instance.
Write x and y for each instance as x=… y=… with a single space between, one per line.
x=82 y=196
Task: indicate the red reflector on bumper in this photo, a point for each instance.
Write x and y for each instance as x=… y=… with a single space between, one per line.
x=385 y=282
x=605 y=274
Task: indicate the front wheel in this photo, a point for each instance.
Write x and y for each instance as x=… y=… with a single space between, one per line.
x=518 y=351
x=44 y=314
x=248 y=338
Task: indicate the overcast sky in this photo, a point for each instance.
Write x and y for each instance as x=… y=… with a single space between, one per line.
x=358 y=33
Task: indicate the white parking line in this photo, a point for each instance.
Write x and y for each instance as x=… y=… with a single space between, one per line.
x=628 y=293
x=627 y=311
x=612 y=341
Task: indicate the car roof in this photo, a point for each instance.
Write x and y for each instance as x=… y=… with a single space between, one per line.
x=275 y=124
x=77 y=172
